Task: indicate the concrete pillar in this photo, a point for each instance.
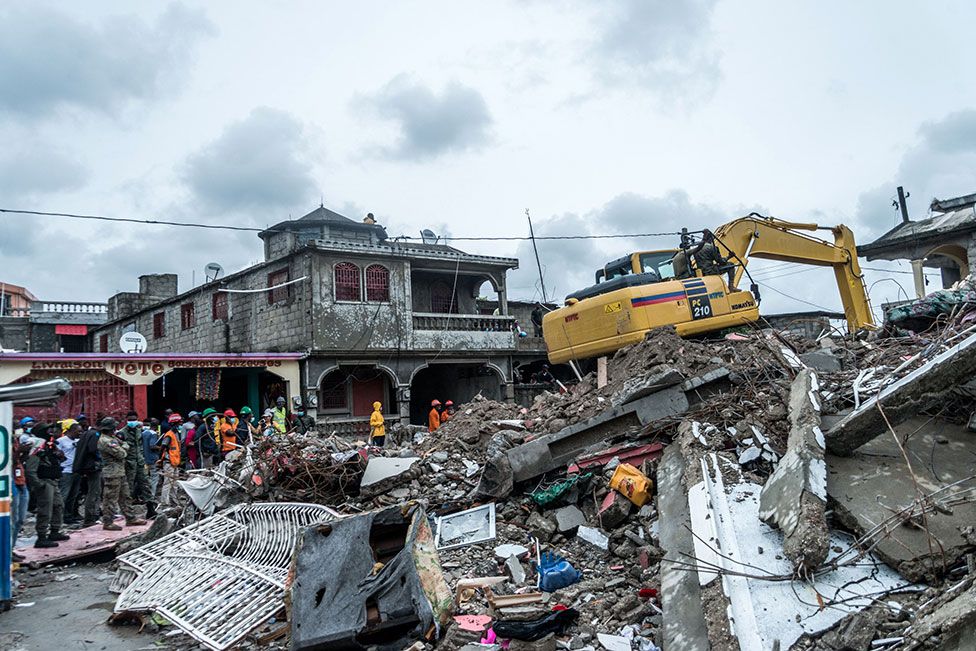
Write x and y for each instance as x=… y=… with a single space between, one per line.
x=601 y=372
x=403 y=402
x=919 y=278
x=140 y=400
x=503 y=298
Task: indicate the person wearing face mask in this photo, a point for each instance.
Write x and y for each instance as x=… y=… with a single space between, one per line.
x=302 y=422
x=135 y=462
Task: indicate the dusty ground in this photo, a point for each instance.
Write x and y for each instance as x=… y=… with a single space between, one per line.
x=66 y=609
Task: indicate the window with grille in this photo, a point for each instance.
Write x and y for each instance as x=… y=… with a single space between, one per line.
x=279 y=294
x=188 y=317
x=377 y=283
x=103 y=343
x=442 y=298
x=346 y=282
x=159 y=324
x=333 y=391
x=218 y=306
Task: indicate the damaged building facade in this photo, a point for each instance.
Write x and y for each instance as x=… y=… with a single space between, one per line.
x=379 y=319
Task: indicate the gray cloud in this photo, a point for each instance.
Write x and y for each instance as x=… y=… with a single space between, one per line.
x=569 y=265
x=663 y=45
x=431 y=124
x=940 y=164
x=50 y=61
x=36 y=168
x=261 y=163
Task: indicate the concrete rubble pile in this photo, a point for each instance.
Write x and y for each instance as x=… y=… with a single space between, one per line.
x=758 y=491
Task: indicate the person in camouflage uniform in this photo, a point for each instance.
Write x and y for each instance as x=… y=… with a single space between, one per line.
x=115 y=490
x=135 y=462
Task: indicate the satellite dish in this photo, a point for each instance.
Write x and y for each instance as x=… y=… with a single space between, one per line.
x=428 y=236
x=211 y=271
x=133 y=342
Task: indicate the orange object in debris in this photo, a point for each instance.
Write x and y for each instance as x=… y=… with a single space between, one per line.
x=632 y=483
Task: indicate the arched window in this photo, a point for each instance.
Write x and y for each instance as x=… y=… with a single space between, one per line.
x=347 y=282
x=442 y=299
x=377 y=283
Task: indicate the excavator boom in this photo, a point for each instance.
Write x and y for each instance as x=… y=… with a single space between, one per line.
x=639 y=292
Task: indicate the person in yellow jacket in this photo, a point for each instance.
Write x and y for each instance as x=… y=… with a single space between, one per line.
x=434 y=417
x=377 y=428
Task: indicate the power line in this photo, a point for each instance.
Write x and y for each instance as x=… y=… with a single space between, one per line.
x=254 y=229
x=819 y=307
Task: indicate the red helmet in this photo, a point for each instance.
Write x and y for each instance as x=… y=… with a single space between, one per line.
x=175 y=418
x=449 y=403
x=435 y=402
x=230 y=413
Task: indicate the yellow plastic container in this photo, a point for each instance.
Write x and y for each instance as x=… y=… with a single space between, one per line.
x=632 y=484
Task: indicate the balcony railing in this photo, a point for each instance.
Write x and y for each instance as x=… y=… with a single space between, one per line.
x=69 y=307
x=463 y=322
x=350 y=425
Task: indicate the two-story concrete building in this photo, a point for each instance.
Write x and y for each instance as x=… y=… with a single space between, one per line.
x=378 y=320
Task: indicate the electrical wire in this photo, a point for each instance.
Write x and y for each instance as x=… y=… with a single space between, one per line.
x=254 y=229
x=819 y=307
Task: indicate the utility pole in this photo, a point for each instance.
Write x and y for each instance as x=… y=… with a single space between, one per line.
x=538 y=264
x=902 y=205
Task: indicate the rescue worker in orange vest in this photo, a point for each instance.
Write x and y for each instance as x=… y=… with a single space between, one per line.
x=448 y=412
x=169 y=461
x=434 y=417
x=377 y=426
x=228 y=432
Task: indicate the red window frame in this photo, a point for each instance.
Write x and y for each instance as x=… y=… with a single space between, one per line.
x=377 y=283
x=159 y=325
x=279 y=294
x=188 y=316
x=218 y=306
x=443 y=300
x=347 y=285
x=103 y=343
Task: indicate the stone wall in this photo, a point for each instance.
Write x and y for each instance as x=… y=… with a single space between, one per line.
x=14 y=332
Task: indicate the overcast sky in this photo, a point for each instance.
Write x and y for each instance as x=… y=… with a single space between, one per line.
x=599 y=117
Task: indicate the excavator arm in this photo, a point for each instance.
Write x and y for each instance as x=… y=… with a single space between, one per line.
x=775 y=239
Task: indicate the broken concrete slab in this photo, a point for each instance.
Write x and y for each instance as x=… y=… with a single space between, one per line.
x=868 y=489
x=794 y=498
x=593 y=536
x=558 y=449
x=638 y=387
x=569 y=518
x=367 y=580
x=383 y=473
x=729 y=536
x=822 y=360
x=950 y=622
x=684 y=620
x=540 y=526
x=905 y=398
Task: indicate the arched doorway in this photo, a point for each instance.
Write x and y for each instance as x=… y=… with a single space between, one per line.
x=347 y=394
x=952 y=260
x=457 y=382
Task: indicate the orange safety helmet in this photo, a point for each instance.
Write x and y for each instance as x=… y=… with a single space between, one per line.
x=449 y=403
x=435 y=402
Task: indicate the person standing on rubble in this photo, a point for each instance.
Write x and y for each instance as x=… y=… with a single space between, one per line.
x=302 y=422
x=711 y=262
x=169 y=462
x=448 y=412
x=115 y=492
x=88 y=466
x=280 y=415
x=228 y=432
x=536 y=317
x=434 y=417
x=43 y=473
x=377 y=426
x=135 y=463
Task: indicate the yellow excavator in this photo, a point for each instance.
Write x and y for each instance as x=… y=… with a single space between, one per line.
x=639 y=292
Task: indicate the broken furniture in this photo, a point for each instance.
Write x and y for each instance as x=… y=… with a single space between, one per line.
x=238 y=558
x=370 y=579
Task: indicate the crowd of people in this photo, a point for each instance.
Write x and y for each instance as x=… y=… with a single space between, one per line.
x=73 y=473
